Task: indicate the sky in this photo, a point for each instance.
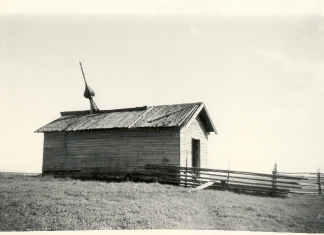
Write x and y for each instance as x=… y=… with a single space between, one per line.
x=257 y=66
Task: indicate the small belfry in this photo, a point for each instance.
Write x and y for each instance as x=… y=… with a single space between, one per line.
x=88 y=94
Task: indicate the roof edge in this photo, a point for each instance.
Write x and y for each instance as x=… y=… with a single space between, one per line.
x=193 y=115
x=202 y=107
x=210 y=120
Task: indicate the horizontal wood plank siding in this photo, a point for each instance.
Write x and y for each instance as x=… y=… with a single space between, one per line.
x=196 y=130
x=112 y=151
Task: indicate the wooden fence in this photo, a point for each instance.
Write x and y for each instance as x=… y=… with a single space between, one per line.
x=310 y=185
x=275 y=184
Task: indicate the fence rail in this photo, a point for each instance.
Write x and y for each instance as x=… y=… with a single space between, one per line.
x=275 y=184
x=312 y=184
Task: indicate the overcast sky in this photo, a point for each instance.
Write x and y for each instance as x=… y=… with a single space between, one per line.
x=258 y=68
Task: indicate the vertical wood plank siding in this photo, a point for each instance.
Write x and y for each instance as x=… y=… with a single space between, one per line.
x=110 y=151
x=196 y=130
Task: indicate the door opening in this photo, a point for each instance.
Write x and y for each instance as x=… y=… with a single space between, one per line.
x=195 y=155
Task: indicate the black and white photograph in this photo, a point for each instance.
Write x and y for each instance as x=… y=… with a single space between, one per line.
x=172 y=116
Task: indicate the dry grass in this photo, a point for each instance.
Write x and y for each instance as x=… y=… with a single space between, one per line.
x=43 y=203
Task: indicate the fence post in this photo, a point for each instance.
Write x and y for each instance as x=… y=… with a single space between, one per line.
x=274 y=180
x=228 y=173
x=228 y=176
x=319 y=181
x=186 y=172
x=163 y=174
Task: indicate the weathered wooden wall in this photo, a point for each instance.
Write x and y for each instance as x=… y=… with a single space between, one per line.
x=195 y=130
x=116 y=152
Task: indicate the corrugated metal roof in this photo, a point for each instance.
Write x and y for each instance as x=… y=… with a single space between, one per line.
x=154 y=116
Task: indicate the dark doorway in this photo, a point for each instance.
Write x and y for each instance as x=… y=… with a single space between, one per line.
x=195 y=154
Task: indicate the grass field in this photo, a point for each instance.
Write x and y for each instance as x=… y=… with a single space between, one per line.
x=44 y=203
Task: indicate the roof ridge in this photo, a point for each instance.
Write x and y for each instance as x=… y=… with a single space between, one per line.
x=82 y=112
x=194 y=103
